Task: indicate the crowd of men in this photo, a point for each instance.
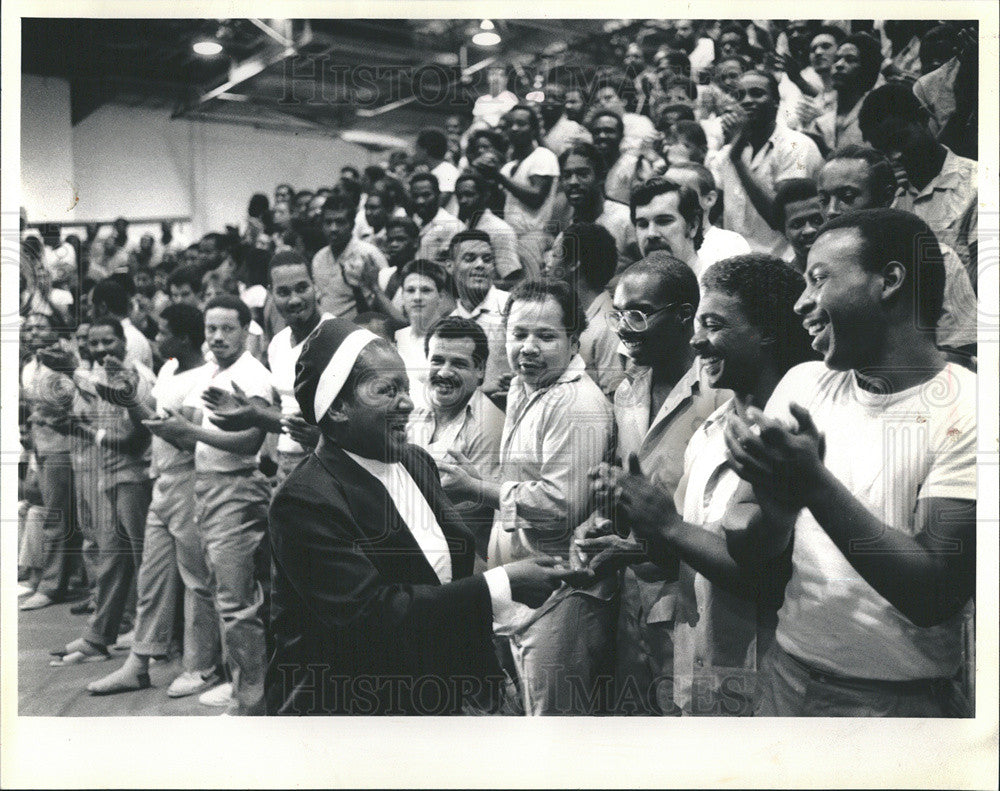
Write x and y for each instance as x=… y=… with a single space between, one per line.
x=649 y=394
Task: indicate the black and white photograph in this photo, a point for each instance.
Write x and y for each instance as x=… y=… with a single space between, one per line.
x=386 y=384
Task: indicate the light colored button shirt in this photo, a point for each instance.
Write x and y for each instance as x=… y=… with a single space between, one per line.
x=552 y=438
x=786 y=154
x=599 y=347
x=335 y=294
x=716 y=632
x=659 y=445
x=488 y=314
x=949 y=203
x=435 y=236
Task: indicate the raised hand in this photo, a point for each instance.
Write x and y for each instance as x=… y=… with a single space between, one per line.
x=172 y=427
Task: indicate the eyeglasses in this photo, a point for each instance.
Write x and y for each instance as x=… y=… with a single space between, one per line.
x=634 y=320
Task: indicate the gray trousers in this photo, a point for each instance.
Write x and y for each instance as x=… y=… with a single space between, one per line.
x=173 y=560
x=121 y=529
x=231 y=510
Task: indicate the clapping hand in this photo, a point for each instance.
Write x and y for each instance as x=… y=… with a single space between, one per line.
x=230 y=411
x=533 y=580
x=57 y=359
x=172 y=427
x=122 y=383
x=783 y=462
x=306 y=434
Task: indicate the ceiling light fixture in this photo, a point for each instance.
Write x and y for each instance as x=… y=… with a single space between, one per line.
x=207 y=47
x=487 y=35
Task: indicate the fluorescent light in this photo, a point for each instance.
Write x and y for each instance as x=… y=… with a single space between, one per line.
x=207 y=47
x=487 y=35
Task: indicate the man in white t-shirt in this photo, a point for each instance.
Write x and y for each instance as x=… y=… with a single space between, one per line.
x=295 y=299
x=231 y=498
x=869 y=461
x=667 y=216
x=529 y=179
x=717 y=243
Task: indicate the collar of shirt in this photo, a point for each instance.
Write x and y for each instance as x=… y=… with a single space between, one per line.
x=950 y=177
x=425 y=423
x=599 y=308
x=491 y=304
x=440 y=218
x=641 y=392
x=574 y=371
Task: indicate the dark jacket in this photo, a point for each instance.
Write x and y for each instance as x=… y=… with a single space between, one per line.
x=361 y=623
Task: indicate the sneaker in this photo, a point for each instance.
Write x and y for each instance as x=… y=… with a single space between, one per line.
x=35 y=601
x=221 y=695
x=192 y=682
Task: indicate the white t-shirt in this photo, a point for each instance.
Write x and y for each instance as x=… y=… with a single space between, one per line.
x=255 y=380
x=411 y=348
x=540 y=162
x=446 y=174
x=889 y=451
x=282 y=357
x=719 y=244
x=170 y=392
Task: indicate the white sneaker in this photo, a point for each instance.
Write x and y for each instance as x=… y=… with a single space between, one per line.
x=192 y=682
x=221 y=695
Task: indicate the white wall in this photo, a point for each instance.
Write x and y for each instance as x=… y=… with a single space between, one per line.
x=47 y=172
x=137 y=163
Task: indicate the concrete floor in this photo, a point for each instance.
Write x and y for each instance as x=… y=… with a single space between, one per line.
x=61 y=691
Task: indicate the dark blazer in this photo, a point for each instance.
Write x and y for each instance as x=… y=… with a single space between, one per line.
x=361 y=623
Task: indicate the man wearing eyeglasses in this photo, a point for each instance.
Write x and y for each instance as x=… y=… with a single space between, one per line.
x=656 y=413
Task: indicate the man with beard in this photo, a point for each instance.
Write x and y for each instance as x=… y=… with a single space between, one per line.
x=855 y=70
x=800 y=213
x=884 y=549
x=459 y=421
x=473 y=268
x=761 y=154
x=746 y=337
x=472 y=194
x=339 y=269
x=699 y=49
x=667 y=216
x=374 y=595
x=580 y=169
x=231 y=498
x=859 y=177
x=560 y=130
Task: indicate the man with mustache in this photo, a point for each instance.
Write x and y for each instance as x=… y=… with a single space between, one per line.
x=231 y=498
x=459 y=419
x=667 y=217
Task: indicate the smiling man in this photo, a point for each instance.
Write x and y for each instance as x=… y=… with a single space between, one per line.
x=473 y=267
x=230 y=499
x=558 y=425
x=656 y=413
x=746 y=337
x=375 y=607
x=459 y=420
x=797 y=207
x=761 y=154
x=883 y=558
